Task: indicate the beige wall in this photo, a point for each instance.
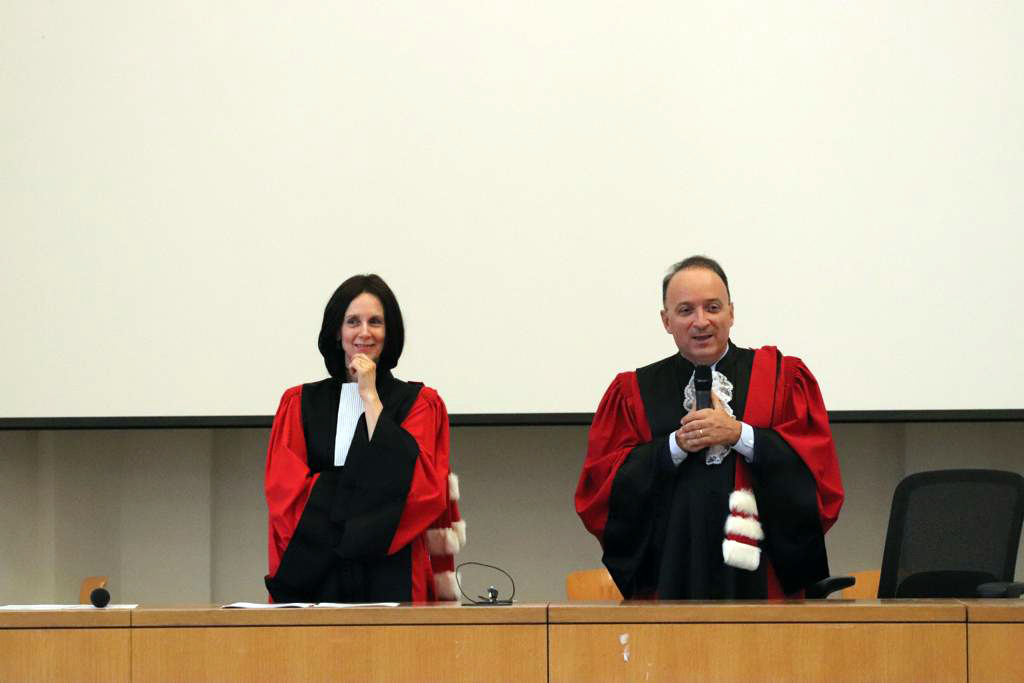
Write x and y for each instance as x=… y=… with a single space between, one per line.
x=555 y=156
x=178 y=516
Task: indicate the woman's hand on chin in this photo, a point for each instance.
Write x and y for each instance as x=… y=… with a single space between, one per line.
x=363 y=370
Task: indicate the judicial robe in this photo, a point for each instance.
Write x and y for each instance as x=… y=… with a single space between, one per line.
x=384 y=526
x=661 y=526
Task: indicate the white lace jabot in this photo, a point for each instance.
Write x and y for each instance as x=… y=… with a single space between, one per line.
x=722 y=388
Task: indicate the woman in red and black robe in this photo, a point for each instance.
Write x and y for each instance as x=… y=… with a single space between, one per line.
x=362 y=504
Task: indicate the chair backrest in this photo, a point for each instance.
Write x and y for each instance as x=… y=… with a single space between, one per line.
x=866 y=587
x=591 y=584
x=949 y=531
x=89 y=584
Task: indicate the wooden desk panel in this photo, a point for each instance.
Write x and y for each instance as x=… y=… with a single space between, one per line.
x=787 y=653
x=795 y=611
x=995 y=611
x=65 y=646
x=995 y=631
x=791 y=642
x=995 y=653
x=430 y=643
x=206 y=615
x=84 y=618
x=814 y=641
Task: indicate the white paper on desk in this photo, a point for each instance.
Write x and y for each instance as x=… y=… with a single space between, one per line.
x=266 y=605
x=274 y=605
x=49 y=608
x=356 y=604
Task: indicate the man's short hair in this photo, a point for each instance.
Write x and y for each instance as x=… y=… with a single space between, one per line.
x=694 y=262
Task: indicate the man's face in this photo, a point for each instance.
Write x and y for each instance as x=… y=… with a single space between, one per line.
x=698 y=315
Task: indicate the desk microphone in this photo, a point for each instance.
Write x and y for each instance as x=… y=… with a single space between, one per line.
x=702 y=386
x=99 y=597
x=492 y=593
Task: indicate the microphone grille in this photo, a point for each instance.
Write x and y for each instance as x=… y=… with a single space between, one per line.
x=99 y=597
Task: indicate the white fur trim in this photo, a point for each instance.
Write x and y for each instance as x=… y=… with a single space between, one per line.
x=453 y=486
x=460 y=532
x=741 y=555
x=442 y=542
x=742 y=500
x=744 y=526
x=445 y=586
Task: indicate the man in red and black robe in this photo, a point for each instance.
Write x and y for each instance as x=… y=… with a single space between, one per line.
x=675 y=521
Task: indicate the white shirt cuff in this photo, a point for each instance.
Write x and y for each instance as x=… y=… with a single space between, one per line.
x=677 y=453
x=745 y=446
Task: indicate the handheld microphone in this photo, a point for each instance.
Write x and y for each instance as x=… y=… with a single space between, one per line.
x=702 y=386
x=99 y=597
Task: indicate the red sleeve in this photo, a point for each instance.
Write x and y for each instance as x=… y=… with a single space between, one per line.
x=620 y=425
x=803 y=424
x=427 y=423
x=287 y=483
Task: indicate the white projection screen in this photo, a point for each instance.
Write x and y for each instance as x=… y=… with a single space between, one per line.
x=185 y=183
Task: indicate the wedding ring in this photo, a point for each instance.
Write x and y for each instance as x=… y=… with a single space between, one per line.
x=702 y=433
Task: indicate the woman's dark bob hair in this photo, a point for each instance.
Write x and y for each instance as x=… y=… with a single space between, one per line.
x=394 y=329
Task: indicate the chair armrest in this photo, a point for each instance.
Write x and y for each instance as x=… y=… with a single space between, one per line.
x=825 y=587
x=1000 y=589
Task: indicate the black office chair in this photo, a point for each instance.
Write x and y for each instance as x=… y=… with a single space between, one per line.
x=952 y=534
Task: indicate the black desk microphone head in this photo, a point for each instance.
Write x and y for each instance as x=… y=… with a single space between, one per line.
x=100 y=597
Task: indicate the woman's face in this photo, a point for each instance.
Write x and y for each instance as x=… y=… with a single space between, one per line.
x=362 y=328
